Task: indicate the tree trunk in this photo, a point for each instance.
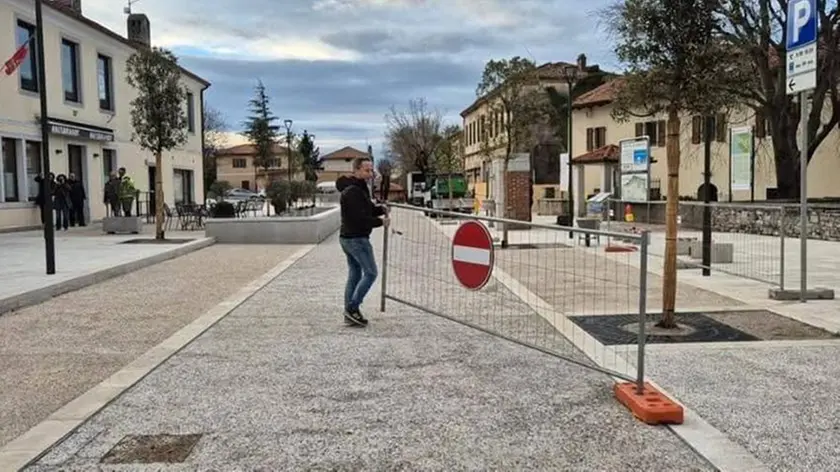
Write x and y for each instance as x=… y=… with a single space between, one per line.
x=159 y=196
x=669 y=279
x=449 y=184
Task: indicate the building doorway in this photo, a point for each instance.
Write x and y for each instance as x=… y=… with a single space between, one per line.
x=150 y=204
x=77 y=165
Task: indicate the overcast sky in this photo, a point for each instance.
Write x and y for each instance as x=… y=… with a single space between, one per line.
x=336 y=66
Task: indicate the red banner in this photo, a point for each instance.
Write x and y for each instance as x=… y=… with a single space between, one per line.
x=16 y=60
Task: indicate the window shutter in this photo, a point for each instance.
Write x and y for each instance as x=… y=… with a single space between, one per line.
x=640 y=129
x=760 y=124
x=660 y=132
x=603 y=137
x=721 y=128
x=589 y=139
x=696 y=129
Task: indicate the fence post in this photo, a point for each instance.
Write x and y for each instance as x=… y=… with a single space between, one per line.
x=643 y=278
x=782 y=249
x=384 y=282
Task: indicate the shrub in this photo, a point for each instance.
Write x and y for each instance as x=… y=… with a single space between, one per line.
x=223 y=210
x=219 y=189
x=308 y=190
x=278 y=193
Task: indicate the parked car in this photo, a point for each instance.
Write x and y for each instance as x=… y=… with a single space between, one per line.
x=242 y=195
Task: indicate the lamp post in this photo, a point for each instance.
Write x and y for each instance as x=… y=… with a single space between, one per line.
x=288 y=124
x=49 y=227
x=570 y=73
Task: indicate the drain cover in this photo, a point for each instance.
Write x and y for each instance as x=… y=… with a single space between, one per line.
x=150 y=449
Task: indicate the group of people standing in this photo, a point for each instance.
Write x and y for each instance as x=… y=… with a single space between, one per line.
x=68 y=197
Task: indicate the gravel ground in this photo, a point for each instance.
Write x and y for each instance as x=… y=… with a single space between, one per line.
x=288 y=387
x=53 y=352
x=780 y=403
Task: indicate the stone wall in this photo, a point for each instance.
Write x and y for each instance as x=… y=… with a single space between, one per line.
x=761 y=218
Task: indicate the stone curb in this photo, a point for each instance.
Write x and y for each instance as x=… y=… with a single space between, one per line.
x=29 y=447
x=40 y=295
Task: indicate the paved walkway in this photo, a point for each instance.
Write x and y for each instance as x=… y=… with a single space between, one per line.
x=78 y=253
x=281 y=384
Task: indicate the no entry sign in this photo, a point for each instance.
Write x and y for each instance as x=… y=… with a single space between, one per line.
x=472 y=255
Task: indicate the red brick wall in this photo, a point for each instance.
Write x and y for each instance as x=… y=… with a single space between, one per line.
x=518 y=195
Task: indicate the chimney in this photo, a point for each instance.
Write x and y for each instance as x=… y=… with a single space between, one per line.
x=72 y=5
x=581 y=62
x=139 y=29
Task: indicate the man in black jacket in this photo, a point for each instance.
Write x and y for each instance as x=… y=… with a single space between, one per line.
x=359 y=215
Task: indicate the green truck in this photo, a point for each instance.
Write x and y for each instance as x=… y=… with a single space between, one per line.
x=433 y=192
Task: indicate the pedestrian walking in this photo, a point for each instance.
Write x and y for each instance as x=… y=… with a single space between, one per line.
x=359 y=215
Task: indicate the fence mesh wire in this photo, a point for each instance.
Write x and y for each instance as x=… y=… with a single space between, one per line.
x=547 y=292
x=747 y=239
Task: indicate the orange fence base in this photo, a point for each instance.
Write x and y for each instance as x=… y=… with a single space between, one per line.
x=652 y=407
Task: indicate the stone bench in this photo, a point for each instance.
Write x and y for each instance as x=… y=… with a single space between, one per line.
x=122 y=225
x=722 y=253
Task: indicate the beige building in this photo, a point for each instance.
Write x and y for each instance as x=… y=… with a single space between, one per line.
x=236 y=166
x=597 y=135
x=89 y=112
x=338 y=163
x=484 y=137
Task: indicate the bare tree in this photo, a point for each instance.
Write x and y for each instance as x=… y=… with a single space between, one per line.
x=214 y=140
x=413 y=134
x=449 y=158
x=517 y=115
x=757 y=29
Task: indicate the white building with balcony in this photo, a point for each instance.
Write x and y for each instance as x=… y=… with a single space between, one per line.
x=89 y=112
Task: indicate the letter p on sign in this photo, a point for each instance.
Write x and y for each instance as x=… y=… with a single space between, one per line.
x=801 y=23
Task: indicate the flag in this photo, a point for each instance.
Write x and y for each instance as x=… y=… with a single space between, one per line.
x=16 y=60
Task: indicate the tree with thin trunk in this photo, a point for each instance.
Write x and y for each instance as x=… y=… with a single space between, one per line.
x=449 y=158
x=756 y=28
x=675 y=63
x=310 y=156
x=516 y=112
x=412 y=135
x=158 y=112
x=261 y=130
x=384 y=167
x=214 y=140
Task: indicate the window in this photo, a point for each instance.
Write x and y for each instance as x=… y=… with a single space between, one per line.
x=698 y=126
x=596 y=138
x=655 y=130
x=109 y=163
x=103 y=78
x=190 y=112
x=240 y=163
x=70 y=70
x=246 y=184
x=33 y=167
x=182 y=185
x=28 y=69
x=10 y=170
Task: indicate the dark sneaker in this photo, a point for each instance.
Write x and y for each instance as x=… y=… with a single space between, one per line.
x=355 y=318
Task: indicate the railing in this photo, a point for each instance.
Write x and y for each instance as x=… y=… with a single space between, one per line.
x=543 y=291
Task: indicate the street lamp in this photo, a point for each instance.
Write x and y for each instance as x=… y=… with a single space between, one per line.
x=570 y=73
x=288 y=124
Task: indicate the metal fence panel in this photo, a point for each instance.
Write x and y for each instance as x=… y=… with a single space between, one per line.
x=748 y=240
x=545 y=287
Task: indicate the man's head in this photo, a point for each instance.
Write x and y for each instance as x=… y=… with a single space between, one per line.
x=362 y=168
x=113 y=175
x=71 y=176
x=122 y=171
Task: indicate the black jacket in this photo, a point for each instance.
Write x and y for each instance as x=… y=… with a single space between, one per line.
x=359 y=215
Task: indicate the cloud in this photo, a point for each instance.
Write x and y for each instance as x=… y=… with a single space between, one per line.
x=336 y=66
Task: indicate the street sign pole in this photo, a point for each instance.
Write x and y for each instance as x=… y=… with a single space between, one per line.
x=47 y=212
x=801 y=66
x=803 y=199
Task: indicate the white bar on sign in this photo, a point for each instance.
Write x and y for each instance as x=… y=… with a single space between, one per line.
x=472 y=255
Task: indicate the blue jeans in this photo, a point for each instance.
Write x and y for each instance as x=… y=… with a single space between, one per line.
x=361 y=272
x=62 y=216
